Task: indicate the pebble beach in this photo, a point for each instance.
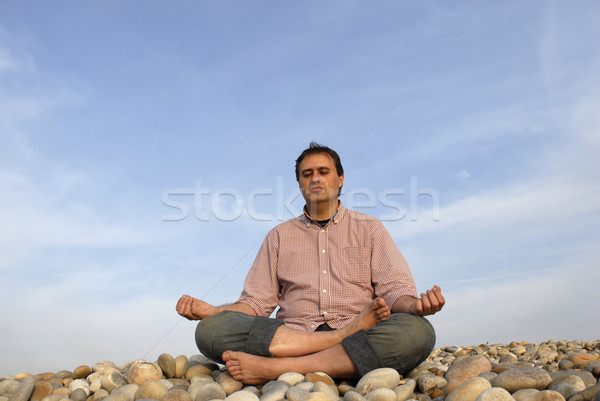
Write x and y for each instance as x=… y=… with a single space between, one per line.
x=520 y=371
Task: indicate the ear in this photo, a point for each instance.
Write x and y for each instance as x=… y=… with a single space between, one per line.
x=341 y=177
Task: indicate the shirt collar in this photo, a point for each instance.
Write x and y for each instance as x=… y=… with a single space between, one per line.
x=336 y=218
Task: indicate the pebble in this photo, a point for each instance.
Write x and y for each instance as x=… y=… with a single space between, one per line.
x=381 y=394
x=588 y=379
x=103 y=366
x=546 y=395
x=378 y=378
x=495 y=394
x=167 y=363
x=112 y=380
x=573 y=380
x=7 y=387
x=229 y=384
x=42 y=389
x=81 y=372
x=150 y=389
x=353 y=396
x=432 y=385
x=56 y=397
x=198 y=370
x=24 y=391
x=469 y=390
x=80 y=384
x=468 y=367
x=242 y=396
x=181 y=366
x=553 y=370
x=517 y=379
x=296 y=393
x=321 y=387
x=275 y=391
x=406 y=390
x=317 y=396
x=291 y=378
x=319 y=377
x=210 y=391
x=524 y=393
x=177 y=395
x=594 y=368
x=141 y=371
x=79 y=394
x=100 y=395
x=124 y=393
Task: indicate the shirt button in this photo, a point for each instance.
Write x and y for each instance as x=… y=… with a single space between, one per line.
x=322 y=231
x=324 y=271
x=323 y=251
x=324 y=291
x=324 y=313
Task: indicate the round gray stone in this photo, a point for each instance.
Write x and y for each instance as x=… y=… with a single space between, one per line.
x=209 y=391
x=469 y=390
x=495 y=394
x=516 y=379
x=381 y=394
x=242 y=396
x=378 y=378
x=24 y=391
x=353 y=396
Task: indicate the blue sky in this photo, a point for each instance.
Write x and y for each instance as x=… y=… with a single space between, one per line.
x=146 y=149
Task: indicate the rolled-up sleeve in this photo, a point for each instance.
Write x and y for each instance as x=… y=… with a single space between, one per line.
x=390 y=273
x=261 y=287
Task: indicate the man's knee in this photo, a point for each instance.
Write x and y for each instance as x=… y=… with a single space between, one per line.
x=235 y=331
x=403 y=341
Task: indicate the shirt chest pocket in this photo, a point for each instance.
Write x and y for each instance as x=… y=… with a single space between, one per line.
x=357 y=265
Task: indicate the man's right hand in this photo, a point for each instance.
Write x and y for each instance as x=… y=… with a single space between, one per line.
x=194 y=309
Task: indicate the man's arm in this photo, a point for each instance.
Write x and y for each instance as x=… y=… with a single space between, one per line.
x=195 y=309
x=429 y=303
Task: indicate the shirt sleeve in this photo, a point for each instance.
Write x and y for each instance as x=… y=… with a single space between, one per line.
x=390 y=273
x=261 y=286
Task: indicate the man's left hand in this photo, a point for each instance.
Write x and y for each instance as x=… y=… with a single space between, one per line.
x=430 y=302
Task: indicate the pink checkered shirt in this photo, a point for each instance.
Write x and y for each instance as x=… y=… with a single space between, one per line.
x=326 y=275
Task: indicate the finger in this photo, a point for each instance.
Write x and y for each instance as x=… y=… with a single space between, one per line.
x=181 y=303
x=433 y=301
x=419 y=307
x=426 y=304
x=186 y=308
x=438 y=294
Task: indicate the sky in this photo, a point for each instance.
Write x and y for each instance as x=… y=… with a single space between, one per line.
x=146 y=148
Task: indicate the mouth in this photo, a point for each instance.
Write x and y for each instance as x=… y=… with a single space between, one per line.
x=316 y=189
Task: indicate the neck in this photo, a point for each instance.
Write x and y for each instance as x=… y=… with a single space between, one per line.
x=322 y=210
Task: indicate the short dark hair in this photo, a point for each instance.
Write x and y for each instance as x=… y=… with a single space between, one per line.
x=318 y=148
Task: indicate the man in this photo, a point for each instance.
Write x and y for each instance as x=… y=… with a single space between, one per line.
x=347 y=299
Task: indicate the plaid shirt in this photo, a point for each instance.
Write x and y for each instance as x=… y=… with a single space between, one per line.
x=326 y=275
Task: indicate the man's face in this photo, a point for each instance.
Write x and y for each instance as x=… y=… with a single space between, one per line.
x=318 y=178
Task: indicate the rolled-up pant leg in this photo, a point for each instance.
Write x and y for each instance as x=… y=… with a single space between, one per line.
x=235 y=331
x=402 y=342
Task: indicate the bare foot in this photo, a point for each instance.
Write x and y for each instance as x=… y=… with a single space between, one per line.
x=373 y=313
x=248 y=368
x=194 y=309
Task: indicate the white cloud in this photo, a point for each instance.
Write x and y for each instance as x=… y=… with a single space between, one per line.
x=532 y=306
x=464 y=174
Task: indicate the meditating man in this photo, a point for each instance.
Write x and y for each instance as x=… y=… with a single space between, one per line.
x=347 y=299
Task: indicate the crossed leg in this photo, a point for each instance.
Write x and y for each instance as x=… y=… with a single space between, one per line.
x=304 y=352
x=253 y=369
x=289 y=342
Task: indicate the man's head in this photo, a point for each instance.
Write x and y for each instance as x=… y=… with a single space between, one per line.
x=317 y=167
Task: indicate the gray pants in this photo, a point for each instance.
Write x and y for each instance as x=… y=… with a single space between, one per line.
x=401 y=342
